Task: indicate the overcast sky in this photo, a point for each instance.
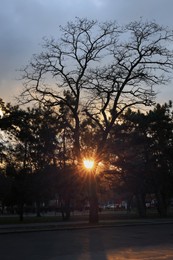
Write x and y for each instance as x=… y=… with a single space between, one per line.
x=23 y=24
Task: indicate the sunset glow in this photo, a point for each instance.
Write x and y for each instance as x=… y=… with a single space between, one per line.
x=1 y=114
x=88 y=163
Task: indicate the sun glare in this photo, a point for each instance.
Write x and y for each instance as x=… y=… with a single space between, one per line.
x=1 y=114
x=88 y=163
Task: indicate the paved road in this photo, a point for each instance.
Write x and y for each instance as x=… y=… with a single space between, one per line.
x=151 y=242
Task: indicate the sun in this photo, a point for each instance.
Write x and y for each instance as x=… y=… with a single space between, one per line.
x=88 y=163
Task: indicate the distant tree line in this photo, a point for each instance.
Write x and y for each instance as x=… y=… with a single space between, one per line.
x=142 y=148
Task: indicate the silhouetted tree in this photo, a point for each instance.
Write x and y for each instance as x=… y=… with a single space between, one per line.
x=128 y=157
x=160 y=135
x=141 y=148
x=34 y=143
x=99 y=70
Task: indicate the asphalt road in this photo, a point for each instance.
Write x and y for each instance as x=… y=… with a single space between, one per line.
x=151 y=242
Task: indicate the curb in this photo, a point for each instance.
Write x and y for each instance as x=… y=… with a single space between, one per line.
x=46 y=228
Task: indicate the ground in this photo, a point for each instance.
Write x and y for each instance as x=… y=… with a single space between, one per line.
x=151 y=242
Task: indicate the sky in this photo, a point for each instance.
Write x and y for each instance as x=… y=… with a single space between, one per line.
x=24 y=23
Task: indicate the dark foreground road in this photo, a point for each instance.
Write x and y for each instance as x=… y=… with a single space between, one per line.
x=151 y=242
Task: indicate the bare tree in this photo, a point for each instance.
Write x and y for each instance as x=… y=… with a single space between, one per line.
x=65 y=65
x=99 y=70
x=140 y=60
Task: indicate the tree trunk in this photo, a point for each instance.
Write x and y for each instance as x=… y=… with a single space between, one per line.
x=65 y=210
x=140 y=199
x=38 y=208
x=93 y=199
x=21 y=206
x=161 y=204
x=3 y=206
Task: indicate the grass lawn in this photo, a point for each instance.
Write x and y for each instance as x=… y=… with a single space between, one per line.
x=28 y=219
x=104 y=215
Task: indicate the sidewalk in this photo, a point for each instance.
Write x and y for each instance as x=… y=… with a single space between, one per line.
x=72 y=225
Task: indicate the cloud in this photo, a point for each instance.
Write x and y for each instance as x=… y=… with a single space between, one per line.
x=99 y=3
x=25 y=23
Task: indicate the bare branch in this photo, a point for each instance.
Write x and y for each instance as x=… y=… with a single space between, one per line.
x=118 y=67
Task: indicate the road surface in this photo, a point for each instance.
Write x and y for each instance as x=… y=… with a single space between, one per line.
x=150 y=242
